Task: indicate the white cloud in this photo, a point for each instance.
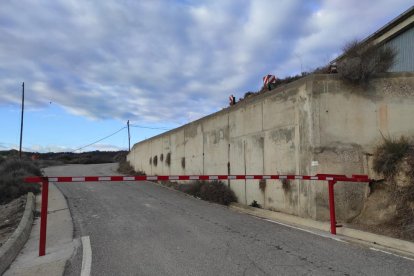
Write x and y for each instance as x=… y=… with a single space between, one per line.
x=168 y=61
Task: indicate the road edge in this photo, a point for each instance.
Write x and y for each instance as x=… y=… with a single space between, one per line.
x=380 y=242
x=15 y=243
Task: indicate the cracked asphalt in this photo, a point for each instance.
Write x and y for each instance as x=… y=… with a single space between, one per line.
x=140 y=228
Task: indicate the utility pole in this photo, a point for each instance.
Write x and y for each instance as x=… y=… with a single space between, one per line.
x=129 y=138
x=21 y=123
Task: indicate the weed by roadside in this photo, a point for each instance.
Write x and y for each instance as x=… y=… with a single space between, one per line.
x=389 y=154
x=213 y=191
x=12 y=173
x=125 y=168
x=255 y=204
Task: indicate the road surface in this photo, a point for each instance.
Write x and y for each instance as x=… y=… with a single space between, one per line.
x=140 y=228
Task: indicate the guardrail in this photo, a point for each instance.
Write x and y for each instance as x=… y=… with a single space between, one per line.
x=331 y=178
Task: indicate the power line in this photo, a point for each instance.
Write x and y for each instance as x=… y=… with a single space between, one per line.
x=99 y=140
x=138 y=126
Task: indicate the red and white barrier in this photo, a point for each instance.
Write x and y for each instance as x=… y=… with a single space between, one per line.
x=324 y=177
x=331 y=178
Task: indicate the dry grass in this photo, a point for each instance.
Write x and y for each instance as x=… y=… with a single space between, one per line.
x=126 y=168
x=12 y=174
x=389 y=154
x=213 y=191
x=361 y=62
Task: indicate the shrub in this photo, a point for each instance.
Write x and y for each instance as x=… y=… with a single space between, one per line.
x=389 y=154
x=150 y=161
x=12 y=173
x=125 y=167
x=16 y=167
x=411 y=163
x=119 y=157
x=155 y=160
x=162 y=157
x=193 y=188
x=362 y=61
x=217 y=191
x=255 y=204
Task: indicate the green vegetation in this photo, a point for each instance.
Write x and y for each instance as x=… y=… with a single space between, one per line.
x=389 y=154
x=358 y=64
x=12 y=173
x=52 y=158
x=361 y=62
x=213 y=191
x=126 y=168
x=255 y=204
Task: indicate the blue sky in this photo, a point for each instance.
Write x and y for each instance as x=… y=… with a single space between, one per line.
x=89 y=66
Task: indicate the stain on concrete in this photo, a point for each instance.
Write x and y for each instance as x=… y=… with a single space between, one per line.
x=383 y=118
x=283 y=135
x=191 y=131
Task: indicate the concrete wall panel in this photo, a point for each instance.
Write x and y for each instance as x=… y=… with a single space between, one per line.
x=315 y=125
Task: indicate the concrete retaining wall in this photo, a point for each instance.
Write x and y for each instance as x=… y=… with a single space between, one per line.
x=17 y=240
x=315 y=125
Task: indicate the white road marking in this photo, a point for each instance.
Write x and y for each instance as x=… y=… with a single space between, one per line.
x=334 y=238
x=329 y=236
x=389 y=253
x=87 y=256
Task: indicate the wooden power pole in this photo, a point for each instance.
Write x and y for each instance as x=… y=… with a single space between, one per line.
x=21 y=123
x=129 y=138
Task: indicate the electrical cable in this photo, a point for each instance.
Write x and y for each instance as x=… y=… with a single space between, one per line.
x=99 y=140
x=138 y=126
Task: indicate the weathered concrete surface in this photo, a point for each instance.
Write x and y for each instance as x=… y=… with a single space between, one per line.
x=141 y=228
x=15 y=243
x=315 y=125
x=59 y=245
x=379 y=242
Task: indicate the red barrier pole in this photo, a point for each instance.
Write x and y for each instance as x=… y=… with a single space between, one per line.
x=43 y=217
x=331 y=184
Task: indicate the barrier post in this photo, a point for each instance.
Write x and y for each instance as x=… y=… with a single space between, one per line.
x=331 y=184
x=43 y=217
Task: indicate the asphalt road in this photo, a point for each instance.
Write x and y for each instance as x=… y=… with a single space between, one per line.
x=140 y=228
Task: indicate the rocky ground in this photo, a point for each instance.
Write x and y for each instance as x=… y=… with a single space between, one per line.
x=10 y=216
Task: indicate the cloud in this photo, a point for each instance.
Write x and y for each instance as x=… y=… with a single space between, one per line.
x=60 y=148
x=157 y=61
x=334 y=24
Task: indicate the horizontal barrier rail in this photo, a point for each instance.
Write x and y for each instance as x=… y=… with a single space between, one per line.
x=331 y=178
x=325 y=177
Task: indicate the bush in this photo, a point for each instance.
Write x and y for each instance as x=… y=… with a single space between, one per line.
x=214 y=191
x=12 y=185
x=361 y=61
x=217 y=191
x=255 y=204
x=125 y=167
x=119 y=157
x=389 y=154
x=155 y=160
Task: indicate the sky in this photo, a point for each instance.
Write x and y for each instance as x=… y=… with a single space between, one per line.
x=90 y=66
